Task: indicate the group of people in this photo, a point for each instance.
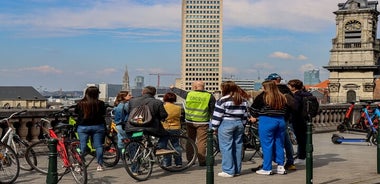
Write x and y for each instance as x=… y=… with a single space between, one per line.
x=274 y=108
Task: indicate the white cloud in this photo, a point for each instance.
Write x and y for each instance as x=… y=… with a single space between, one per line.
x=281 y=55
x=135 y=16
x=41 y=69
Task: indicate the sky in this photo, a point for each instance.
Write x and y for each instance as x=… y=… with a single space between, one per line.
x=65 y=44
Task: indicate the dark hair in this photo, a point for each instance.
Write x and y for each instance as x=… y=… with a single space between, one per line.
x=89 y=103
x=297 y=84
x=170 y=97
x=149 y=90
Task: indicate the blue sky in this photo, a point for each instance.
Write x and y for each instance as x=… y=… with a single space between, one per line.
x=65 y=44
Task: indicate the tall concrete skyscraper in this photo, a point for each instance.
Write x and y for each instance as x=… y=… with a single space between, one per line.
x=202 y=33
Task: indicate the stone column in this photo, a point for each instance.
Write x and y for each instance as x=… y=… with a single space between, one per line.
x=34 y=131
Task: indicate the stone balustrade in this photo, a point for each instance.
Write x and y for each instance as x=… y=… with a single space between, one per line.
x=331 y=115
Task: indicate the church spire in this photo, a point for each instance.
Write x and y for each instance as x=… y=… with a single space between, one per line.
x=126 y=80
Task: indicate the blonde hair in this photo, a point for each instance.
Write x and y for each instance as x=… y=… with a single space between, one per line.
x=272 y=96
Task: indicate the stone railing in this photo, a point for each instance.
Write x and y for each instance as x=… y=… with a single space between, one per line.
x=327 y=121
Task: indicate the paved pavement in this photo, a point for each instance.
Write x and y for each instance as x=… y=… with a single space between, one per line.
x=346 y=163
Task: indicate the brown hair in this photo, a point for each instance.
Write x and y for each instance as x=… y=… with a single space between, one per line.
x=272 y=96
x=237 y=94
x=120 y=97
x=170 y=97
x=89 y=103
x=297 y=84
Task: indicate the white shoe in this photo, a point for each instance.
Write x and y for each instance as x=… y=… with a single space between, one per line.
x=280 y=170
x=225 y=175
x=300 y=161
x=263 y=172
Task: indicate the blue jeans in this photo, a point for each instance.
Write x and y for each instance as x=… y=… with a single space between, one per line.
x=97 y=132
x=163 y=143
x=121 y=135
x=230 y=136
x=272 y=134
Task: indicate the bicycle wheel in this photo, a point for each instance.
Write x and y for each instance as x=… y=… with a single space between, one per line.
x=9 y=164
x=78 y=168
x=111 y=154
x=183 y=156
x=20 y=147
x=41 y=151
x=138 y=160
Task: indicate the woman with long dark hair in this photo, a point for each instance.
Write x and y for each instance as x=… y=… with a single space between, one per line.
x=91 y=122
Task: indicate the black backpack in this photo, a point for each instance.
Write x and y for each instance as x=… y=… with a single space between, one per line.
x=310 y=106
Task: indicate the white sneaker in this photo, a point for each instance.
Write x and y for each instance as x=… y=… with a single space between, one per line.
x=225 y=175
x=300 y=161
x=280 y=170
x=263 y=172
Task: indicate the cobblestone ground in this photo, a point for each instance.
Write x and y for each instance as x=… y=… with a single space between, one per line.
x=347 y=163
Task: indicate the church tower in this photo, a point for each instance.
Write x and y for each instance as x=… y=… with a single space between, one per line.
x=354 y=57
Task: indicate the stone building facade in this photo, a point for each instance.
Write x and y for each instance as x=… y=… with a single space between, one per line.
x=354 y=57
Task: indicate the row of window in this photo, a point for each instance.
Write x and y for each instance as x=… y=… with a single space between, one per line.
x=206 y=21
x=202 y=50
x=201 y=41
x=202 y=60
x=202 y=36
x=202 y=7
x=201 y=70
x=202 y=55
x=202 y=64
x=202 y=45
x=202 y=12
x=202 y=16
x=202 y=2
x=202 y=31
x=202 y=74
x=203 y=26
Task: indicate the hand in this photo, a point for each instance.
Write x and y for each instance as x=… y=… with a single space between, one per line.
x=252 y=119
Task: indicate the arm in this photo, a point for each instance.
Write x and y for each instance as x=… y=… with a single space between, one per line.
x=181 y=93
x=217 y=115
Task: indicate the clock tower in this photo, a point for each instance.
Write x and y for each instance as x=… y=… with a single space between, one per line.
x=354 y=57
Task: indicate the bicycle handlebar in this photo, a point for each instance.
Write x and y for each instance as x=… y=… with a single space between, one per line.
x=12 y=115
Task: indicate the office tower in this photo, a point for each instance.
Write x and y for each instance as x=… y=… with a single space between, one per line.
x=202 y=30
x=311 y=77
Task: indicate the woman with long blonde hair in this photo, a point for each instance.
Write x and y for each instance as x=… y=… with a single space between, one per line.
x=270 y=107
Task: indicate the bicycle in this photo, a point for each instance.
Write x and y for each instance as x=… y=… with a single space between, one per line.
x=16 y=143
x=140 y=154
x=9 y=164
x=361 y=125
x=70 y=160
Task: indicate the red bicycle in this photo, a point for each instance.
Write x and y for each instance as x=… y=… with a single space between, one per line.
x=70 y=159
x=361 y=124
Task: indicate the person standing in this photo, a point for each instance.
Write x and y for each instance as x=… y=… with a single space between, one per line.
x=120 y=113
x=270 y=107
x=172 y=124
x=284 y=89
x=229 y=118
x=299 y=123
x=199 y=106
x=91 y=122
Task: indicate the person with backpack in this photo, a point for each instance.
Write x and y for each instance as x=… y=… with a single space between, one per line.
x=120 y=112
x=157 y=114
x=299 y=119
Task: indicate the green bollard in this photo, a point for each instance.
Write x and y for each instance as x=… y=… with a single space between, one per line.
x=378 y=150
x=210 y=157
x=52 y=176
x=309 y=152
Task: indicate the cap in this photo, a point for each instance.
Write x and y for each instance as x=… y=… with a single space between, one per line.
x=273 y=76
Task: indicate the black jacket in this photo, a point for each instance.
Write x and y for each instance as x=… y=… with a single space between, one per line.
x=158 y=111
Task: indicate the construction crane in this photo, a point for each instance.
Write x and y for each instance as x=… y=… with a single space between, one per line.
x=159 y=75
